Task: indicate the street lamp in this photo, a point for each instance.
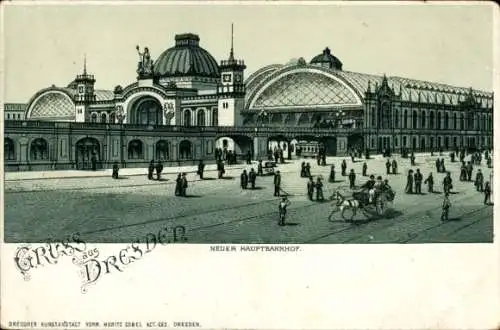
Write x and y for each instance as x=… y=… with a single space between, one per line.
x=339 y=115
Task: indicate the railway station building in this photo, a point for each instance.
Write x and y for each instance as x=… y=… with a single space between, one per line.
x=185 y=104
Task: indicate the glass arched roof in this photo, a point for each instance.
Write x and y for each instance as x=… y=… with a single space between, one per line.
x=305 y=89
x=410 y=89
x=52 y=105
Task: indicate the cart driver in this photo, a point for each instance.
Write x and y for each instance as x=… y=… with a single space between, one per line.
x=377 y=187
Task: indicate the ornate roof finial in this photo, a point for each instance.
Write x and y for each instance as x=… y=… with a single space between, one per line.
x=231 y=54
x=369 y=86
x=85 y=64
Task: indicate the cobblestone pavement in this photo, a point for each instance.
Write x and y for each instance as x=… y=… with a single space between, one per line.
x=103 y=210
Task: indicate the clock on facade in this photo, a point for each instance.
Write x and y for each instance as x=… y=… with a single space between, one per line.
x=226 y=78
x=237 y=78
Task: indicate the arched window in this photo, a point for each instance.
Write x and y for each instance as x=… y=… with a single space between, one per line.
x=187 y=117
x=39 y=150
x=135 y=150
x=8 y=149
x=93 y=118
x=112 y=118
x=422 y=121
x=201 y=118
x=104 y=118
x=162 y=150
x=405 y=119
x=446 y=120
x=431 y=120
x=462 y=122
x=396 y=118
x=483 y=122
x=185 y=150
x=215 y=117
x=414 y=119
x=438 y=123
x=148 y=112
x=374 y=117
x=455 y=121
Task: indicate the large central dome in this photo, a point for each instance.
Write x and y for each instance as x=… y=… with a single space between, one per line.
x=186 y=58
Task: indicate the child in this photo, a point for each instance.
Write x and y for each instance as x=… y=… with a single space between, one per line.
x=446 y=207
x=284 y=202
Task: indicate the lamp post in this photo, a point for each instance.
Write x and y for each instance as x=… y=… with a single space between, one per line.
x=338 y=117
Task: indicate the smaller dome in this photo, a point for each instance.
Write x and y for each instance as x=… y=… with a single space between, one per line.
x=326 y=59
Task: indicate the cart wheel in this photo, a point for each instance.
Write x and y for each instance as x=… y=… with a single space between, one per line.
x=347 y=214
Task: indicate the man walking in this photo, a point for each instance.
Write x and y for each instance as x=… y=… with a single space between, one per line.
x=319 y=190
x=252 y=176
x=310 y=188
x=430 y=183
x=352 y=179
x=201 y=168
x=277 y=183
x=418 y=182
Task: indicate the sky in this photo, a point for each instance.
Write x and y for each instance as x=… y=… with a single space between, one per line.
x=46 y=44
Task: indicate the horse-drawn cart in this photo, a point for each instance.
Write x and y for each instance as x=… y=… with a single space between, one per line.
x=359 y=201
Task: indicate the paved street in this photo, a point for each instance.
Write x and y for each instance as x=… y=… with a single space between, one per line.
x=104 y=210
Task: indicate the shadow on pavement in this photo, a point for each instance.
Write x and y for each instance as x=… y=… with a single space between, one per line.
x=227 y=178
x=209 y=179
x=391 y=214
x=291 y=224
x=122 y=178
x=193 y=196
x=256 y=188
x=455 y=219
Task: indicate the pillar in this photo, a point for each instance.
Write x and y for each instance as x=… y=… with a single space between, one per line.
x=260 y=147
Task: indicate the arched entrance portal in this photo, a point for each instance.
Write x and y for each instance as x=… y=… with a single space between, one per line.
x=278 y=147
x=147 y=111
x=422 y=144
x=88 y=154
x=240 y=145
x=355 y=142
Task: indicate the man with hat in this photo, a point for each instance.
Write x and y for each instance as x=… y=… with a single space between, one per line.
x=184 y=185
x=277 y=183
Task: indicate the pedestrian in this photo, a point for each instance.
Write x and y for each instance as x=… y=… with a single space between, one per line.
x=418 y=182
x=303 y=170
x=463 y=172
x=178 y=185
x=447 y=183
x=252 y=176
x=365 y=168
x=332 y=174
x=249 y=157
x=479 y=180
x=220 y=169
x=319 y=190
x=259 y=168
x=184 y=185
x=430 y=183
x=352 y=179
x=308 y=170
x=388 y=167
x=394 y=167
x=412 y=158
x=409 y=182
x=438 y=165
x=344 y=167
x=201 y=168
x=310 y=188
x=277 y=183
x=151 y=169
x=159 y=169
x=487 y=193
x=244 y=179
x=446 y=207
x=443 y=169
x=318 y=159
x=93 y=159
x=115 y=170
x=469 y=171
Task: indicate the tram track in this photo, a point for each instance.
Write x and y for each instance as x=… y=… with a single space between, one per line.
x=353 y=226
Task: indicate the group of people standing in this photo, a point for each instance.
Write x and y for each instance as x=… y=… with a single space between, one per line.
x=246 y=178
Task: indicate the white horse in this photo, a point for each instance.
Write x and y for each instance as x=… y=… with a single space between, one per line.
x=342 y=204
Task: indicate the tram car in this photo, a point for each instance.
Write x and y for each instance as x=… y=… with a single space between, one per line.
x=310 y=148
